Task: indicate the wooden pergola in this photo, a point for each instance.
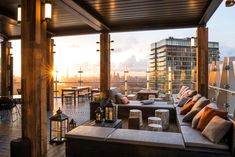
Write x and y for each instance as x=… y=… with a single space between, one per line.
x=74 y=17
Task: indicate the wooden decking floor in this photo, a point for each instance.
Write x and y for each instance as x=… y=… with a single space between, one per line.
x=80 y=113
x=10 y=130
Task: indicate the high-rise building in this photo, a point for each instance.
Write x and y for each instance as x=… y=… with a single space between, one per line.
x=172 y=63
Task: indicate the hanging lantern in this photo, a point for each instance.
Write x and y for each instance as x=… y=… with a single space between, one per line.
x=58 y=127
x=110 y=112
x=72 y=124
x=99 y=115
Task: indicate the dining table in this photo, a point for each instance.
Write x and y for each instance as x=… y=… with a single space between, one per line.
x=74 y=91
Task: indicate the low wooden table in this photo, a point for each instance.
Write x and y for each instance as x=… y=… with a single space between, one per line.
x=116 y=124
x=144 y=94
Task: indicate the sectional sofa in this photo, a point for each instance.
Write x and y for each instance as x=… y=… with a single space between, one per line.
x=89 y=141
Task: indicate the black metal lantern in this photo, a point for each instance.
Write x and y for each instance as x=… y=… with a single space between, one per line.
x=110 y=110
x=58 y=127
x=72 y=124
x=99 y=115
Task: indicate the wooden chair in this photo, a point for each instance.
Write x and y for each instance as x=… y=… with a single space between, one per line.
x=19 y=91
x=7 y=105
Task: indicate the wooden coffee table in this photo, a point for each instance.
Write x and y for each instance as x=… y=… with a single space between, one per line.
x=116 y=124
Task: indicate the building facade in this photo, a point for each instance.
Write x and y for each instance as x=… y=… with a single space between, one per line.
x=172 y=62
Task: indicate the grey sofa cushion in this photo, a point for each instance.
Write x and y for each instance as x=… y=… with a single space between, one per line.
x=90 y=133
x=183 y=101
x=181 y=122
x=177 y=110
x=147 y=138
x=193 y=138
x=189 y=116
x=113 y=92
x=175 y=100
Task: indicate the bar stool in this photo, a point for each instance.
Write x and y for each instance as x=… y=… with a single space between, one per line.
x=164 y=115
x=134 y=113
x=155 y=127
x=154 y=120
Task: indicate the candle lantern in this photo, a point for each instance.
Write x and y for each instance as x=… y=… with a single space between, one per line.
x=110 y=112
x=72 y=124
x=99 y=115
x=58 y=127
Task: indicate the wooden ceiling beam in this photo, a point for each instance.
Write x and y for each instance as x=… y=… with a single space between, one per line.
x=214 y=4
x=76 y=8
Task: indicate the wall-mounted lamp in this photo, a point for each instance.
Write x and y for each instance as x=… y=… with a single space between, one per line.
x=229 y=3
x=47 y=11
x=19 y=13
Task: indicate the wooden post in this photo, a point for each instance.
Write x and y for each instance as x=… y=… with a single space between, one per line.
x=33 y=79
x=50 y=78
x=202 y=61
x=105 y=63
x=5 y=68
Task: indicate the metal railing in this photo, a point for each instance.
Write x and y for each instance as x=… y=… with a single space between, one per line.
x=132 y=87
x=224 y=98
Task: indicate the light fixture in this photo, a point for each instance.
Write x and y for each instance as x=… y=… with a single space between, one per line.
x=229 y=3
x=47 y=11
x=19 y=13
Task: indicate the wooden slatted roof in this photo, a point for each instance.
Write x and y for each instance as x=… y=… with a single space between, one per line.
x=72 y=17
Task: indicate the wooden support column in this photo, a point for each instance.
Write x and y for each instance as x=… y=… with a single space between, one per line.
x=105 y=63
x=202 y=61
x=50 y=79
x=5 y=68
x=34 y=73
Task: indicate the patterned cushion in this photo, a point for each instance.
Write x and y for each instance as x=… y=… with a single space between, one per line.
x=187 y=107
x=182 y=92
x=191 y=93
x=183 y=101
x=196 y=97
x=185 y=93
x=124 y=100
x=199 y=114
x=207 y=115
x=216 y=129
x=182 y=89
x=202 y=102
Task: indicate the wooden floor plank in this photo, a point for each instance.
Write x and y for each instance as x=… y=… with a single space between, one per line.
x=11 y=130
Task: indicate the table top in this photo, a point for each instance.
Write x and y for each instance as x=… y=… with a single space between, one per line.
x=116 y=124
x=90 y=133
x=13 y=96
x=95 y=90
x=148 y=91
x=76 y=88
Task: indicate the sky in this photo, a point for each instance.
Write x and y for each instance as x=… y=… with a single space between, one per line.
x=131 y=49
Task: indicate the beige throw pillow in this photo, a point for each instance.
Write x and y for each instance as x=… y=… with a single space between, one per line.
x=216 y=129
x=202 y=102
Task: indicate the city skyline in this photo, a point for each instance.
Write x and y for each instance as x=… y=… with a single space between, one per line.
x=130 y=49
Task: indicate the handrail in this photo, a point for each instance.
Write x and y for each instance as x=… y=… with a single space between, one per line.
x=219 y=88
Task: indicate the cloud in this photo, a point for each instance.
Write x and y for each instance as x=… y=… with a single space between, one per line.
x=132 y=64
x=226 y=51
x=123 y=45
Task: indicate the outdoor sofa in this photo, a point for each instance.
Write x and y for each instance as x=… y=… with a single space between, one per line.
x=90 y=141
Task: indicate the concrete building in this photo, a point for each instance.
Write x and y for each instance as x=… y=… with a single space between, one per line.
x=172 y=60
